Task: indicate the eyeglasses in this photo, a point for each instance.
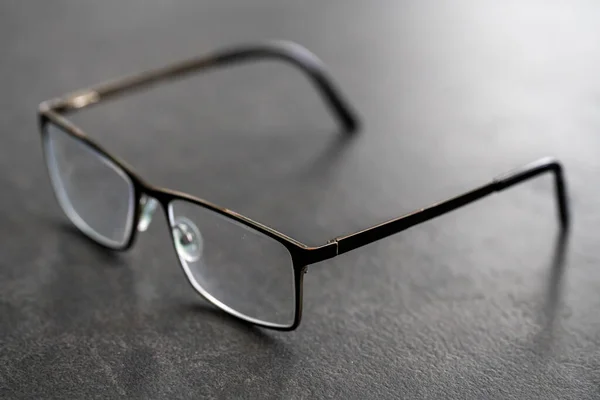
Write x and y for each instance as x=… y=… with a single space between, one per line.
x=241 y=266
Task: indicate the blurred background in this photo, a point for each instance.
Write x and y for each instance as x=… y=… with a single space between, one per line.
x=451 y=94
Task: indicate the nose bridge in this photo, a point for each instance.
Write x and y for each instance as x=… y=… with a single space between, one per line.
x=148 y=207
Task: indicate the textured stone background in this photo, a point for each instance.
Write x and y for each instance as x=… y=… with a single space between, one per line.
x=483 y=303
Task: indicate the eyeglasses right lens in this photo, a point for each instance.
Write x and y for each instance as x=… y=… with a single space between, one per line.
x=96 y=195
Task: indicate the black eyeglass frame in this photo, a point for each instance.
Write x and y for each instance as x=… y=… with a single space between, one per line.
x=53 y=111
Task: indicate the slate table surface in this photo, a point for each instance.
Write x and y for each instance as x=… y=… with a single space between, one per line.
x=488 y=302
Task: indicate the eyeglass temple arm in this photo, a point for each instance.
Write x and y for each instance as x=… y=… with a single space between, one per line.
x=362 y=238
x=290 y=52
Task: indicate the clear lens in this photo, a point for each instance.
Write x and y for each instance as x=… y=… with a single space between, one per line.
x=96 y=195
x=242 y=270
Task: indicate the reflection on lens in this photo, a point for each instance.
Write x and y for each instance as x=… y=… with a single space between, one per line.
x=240 y=269
x=96 y=195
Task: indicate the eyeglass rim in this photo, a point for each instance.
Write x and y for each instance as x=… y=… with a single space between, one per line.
x=301 y=254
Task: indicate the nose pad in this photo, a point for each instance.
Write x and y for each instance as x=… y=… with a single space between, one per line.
x=188 y=240
x=148 y=207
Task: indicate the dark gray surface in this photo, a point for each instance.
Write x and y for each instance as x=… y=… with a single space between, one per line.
x=472 y=305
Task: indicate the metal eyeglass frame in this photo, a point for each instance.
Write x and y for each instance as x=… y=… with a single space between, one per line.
x=302 y=255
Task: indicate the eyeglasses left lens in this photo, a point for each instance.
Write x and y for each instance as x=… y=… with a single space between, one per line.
x=239 y=269
x=96 y=195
